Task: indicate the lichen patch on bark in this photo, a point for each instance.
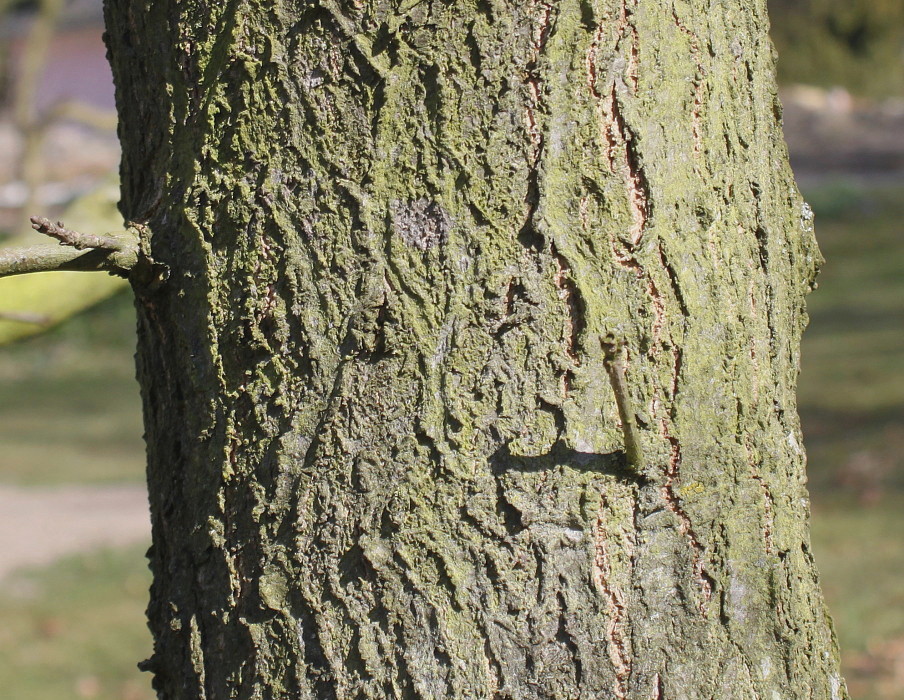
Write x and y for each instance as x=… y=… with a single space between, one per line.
x=421 y=223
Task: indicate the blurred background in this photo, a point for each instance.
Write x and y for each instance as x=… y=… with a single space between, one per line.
x=73 y=514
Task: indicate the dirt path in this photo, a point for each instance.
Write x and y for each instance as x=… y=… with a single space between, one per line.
x=40 y=524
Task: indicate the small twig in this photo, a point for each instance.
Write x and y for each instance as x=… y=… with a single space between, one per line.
x=614 y=361
x=68 y=237
x=48 y=258
x=83 y=252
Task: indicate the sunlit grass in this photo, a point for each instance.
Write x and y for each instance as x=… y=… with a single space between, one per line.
x=852 y=381
x=852 y=408
x=860 y=554
x=69 y=406
x=76 y=629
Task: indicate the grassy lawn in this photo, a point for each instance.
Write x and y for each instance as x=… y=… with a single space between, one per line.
x=69 y=405
x=852 y=380
x=76 y=629
x=860 y=554
x=852 y=408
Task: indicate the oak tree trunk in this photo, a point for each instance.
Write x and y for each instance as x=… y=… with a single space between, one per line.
x=384 y=245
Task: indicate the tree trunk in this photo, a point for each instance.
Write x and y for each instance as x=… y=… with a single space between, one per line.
x=389 y=242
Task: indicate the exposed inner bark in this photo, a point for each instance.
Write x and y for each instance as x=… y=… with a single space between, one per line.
x=385 y=458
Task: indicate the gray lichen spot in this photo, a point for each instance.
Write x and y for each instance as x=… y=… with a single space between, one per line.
x=313 y=79
x=806 y=217
x=835 y=681
x=738 y=595
x=421 y=223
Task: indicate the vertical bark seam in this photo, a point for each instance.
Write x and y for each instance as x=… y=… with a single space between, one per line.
x=698 y=82
x=619 y=138
x=673 y=503
x=573 y=322
x=538 y=41
x=768 y=500
x=616 y=642
x=613 y=128
x=625 y=23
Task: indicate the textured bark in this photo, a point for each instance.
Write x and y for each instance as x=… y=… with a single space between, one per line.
x=385 y=457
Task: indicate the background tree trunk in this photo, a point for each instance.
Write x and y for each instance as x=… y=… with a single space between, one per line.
x=385 y=458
